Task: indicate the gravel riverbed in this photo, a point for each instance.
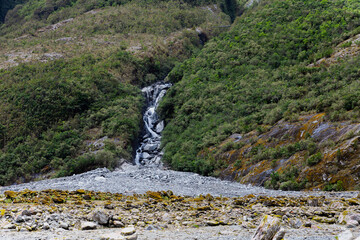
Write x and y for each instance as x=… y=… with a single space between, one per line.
x=130 y=179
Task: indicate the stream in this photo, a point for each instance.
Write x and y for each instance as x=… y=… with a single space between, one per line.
x=149 y=152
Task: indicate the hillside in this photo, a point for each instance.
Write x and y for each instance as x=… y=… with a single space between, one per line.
x=265 y=92
x=274 y=101
x=70 y=78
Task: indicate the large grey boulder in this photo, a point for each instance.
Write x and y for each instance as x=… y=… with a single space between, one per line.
x=267 y=229
x=101 y=217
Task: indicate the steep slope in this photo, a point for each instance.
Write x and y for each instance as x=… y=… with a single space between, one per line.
x=256 y=74
x=70 y=78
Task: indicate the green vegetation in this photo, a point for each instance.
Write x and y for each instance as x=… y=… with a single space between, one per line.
x=285 y=181
x=338 y=186
x=314 y=159
x=52 y=111
x=257 y=73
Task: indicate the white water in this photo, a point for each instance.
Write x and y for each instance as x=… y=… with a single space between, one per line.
x=149 y=152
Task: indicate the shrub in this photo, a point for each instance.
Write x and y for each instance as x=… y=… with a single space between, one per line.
x=314 y=159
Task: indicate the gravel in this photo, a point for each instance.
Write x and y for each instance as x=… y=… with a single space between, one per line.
x=130 y=179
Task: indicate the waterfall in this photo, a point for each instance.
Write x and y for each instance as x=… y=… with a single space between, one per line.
x=149 y=152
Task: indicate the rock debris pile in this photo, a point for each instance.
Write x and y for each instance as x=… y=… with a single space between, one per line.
x=132 y=216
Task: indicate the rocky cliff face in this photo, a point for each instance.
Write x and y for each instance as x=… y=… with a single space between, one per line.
x=311 y=153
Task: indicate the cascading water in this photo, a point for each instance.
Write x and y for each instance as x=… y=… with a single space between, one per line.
x=149 y=152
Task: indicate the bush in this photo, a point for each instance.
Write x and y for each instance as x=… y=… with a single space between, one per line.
x=314 y=159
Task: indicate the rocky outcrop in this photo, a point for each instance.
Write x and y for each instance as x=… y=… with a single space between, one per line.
x=310 y=153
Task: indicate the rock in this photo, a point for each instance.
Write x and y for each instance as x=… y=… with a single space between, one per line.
x=87 y=225
x=267 y=229
x=64 y=225
x=100 y=179
x=212 y=223
x=128 y=231
x=46 y=226
x=160 y=127
x=119 y=224
x=346 y=235
x=101 y=218
x=280 y=235
x=19 y=219
x=109 y=206
x=347 y=216
x=295 y=223
x=352 y=224
x=140 y=224
x=307 y=224
x=9 y=226
x=150 y=147
x=324 y=220
x=151 y=227
x=26 y=213
x=313 y=202
x=166 y=217
x=353 y=201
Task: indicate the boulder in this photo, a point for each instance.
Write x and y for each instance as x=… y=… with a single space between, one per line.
x=101 y=217
x=346 y=235
x=267 y=229
x=347 y=216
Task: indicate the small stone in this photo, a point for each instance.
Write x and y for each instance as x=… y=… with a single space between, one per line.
x=109 y=206
x=19 y=219
x=212 y=223
x=64 y=225
x=46 y=226
x=9 y=226
x=26 y=213
x=151 y=227
x=140 y=224
x=118 y=224
x=128 y=231
x=88 y=225
x=166 y=217
x=307 y=224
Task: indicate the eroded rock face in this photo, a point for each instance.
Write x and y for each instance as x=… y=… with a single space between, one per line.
x=335 y=143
